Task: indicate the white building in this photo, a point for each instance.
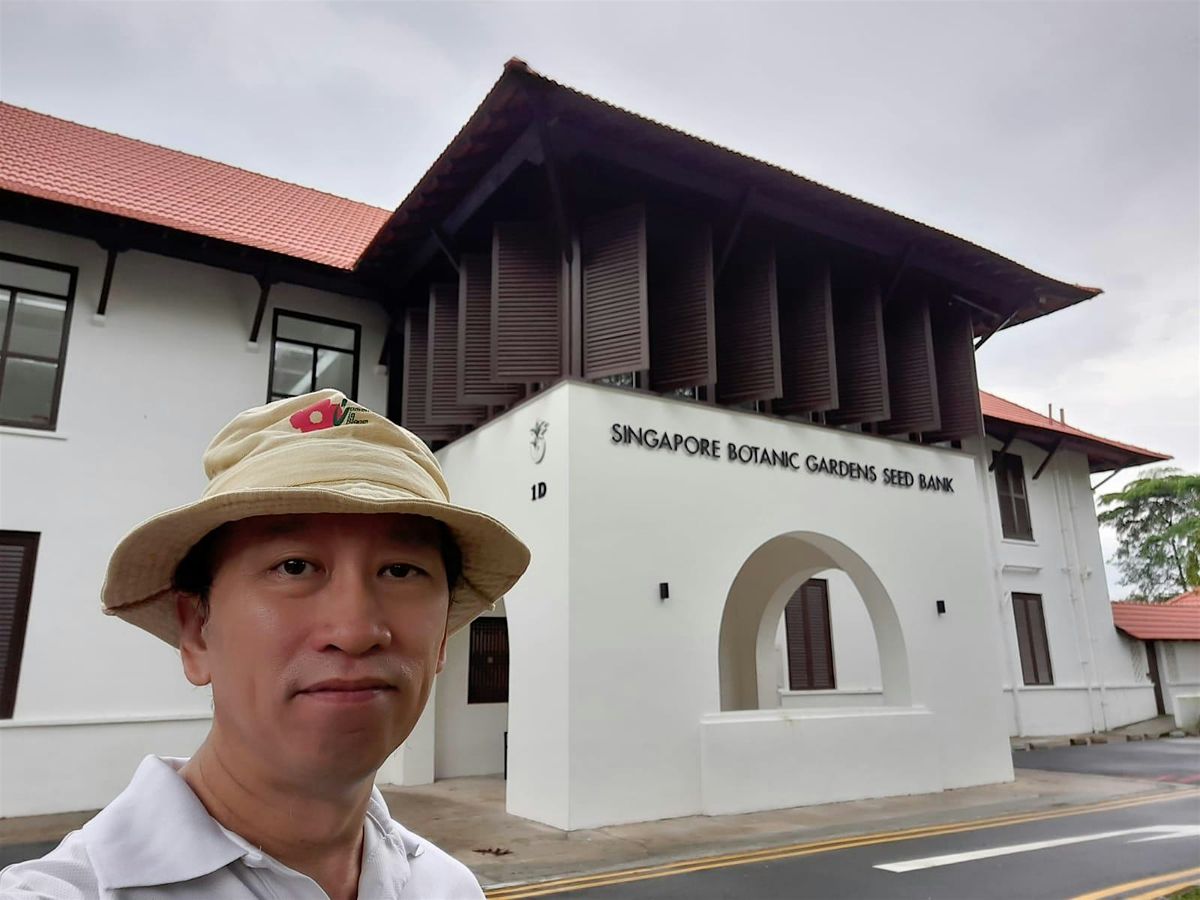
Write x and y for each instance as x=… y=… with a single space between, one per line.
x=805 y=408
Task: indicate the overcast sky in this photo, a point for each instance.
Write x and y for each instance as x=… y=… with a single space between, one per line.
x=1063 y=135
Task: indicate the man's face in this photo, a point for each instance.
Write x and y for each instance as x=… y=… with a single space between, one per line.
x=322 y=638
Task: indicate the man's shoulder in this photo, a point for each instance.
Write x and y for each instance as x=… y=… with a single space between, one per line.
x=434 y=871
x=65 y=873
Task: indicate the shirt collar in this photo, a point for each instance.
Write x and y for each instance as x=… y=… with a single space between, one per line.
x=156 y=832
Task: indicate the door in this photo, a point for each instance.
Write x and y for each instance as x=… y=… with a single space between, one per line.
x=1152 y=658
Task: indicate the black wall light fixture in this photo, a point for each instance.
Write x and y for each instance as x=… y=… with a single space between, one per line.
x=664 y=590
x=941 y=607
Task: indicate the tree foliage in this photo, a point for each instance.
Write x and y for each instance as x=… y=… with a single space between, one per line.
x=1157 y=519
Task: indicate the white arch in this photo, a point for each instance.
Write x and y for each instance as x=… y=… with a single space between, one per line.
x=759 y=592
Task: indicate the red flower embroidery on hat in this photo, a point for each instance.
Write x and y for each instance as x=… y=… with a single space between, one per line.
x=315 y=417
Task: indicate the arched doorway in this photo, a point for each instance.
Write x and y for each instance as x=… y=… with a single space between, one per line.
x=764 y=584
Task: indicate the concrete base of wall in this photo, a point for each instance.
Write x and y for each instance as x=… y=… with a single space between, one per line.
x=815 y=756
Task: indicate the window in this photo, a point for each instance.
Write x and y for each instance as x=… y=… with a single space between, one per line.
x=35 y=315
x=809 y=641
x=1031 y=639
x=487 y=677
x=18 y=549
x=1014 y=502
x=309 y=353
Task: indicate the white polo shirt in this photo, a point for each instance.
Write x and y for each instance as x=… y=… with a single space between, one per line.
x=156 y=840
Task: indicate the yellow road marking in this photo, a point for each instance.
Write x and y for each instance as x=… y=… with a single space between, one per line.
x=1159 y=882
x=538 y=889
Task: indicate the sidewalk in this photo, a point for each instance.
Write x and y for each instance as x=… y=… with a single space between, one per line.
x=1148 y=730
x=466 y=817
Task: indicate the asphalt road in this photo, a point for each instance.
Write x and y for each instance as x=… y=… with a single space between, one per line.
x=1091 y=864
x=1174 y=759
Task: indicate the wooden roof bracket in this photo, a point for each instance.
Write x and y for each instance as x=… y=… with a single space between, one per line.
x=526 y=148
x=109 y=265
x=264 y=291
x=735 y=231
x=446 y=244
x=1111 y=475
x=554 y=181
x=990 y=313
x=1049 y=456
x=900 y=267
x=983 y=338
x=1003 y=449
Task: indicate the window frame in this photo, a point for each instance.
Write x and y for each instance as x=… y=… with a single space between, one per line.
x=61 y=361
x=11 y=674
x=479 y=691
x=1009 y=469
x=1032 y=602
x=320 y=320
x=810 y=674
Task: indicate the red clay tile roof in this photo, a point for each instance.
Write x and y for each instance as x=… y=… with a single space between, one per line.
x=54 y=159
x=1006 y=411
x=1170 y=621
x=1191 y=598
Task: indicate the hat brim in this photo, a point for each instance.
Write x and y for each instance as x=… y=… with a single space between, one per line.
x=138 y=589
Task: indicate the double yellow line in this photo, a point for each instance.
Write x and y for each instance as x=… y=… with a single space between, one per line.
x=1159 y=886
x=540 y=889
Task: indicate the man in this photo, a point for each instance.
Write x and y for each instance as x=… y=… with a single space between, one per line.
x=313 y=586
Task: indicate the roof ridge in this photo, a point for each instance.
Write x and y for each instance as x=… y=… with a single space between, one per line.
x=197 y=156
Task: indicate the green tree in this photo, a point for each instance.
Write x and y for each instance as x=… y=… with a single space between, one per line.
x=1157 y=518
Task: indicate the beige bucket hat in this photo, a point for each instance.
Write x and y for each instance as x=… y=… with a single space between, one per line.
x=317 y=453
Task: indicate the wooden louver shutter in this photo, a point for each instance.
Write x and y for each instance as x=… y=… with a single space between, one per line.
x=615 y=338
x=861 y=353
x=1032 y=643
x=442 y=388
x=954 y=359
x=683 y=346
x=809 y=638
x=474 y=374
x=414 y=408
x=912 y=373
x=18 y=550
x=748 y=328
x=526 y=304
x=808 y=360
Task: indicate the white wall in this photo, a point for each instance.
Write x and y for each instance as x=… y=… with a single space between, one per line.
x=1098 y=683
x=470 y=736
x=1179 y=668
x=492 y=470
x=142 y=396
x=609 y=684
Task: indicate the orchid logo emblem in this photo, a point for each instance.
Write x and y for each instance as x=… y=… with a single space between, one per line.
x=537 y=446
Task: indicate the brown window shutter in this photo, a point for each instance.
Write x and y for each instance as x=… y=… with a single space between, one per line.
x=487 y=669
x=1032 y=640
x=748 y=328
x=18 y=552
x=809 y=638
x=414 y=409
x=912 y=373
x=474 y=373
x=1010 y=491
x=954 y=359
x=808 y=360
x=861 y=351
x=683 y=346
x=615 y=333
x=527 y=307
x=442 y=388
